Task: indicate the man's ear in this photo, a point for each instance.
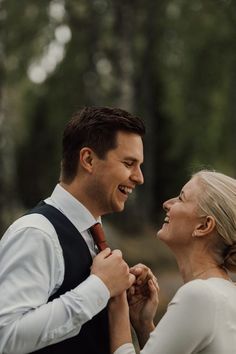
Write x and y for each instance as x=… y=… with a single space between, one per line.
x=86 y=159
x=205 y=227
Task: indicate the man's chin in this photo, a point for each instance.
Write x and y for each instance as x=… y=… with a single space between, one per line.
x=119 y=208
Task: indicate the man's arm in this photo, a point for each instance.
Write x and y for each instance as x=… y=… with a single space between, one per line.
x=28 y=272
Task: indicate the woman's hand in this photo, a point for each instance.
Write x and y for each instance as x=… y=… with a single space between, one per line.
x=143 y=301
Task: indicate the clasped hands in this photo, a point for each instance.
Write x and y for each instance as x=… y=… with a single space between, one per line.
x=134 y=289
x=140 y=300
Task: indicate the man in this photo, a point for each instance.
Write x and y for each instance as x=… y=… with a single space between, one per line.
x=53 y=294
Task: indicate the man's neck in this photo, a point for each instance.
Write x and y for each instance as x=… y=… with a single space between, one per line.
x=78 y=191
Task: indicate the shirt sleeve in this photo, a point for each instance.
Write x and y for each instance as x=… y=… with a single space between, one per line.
x=188 y=324
x=126 y=348
x=29 y=273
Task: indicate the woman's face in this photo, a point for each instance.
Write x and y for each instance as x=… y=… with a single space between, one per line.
x=182 y=216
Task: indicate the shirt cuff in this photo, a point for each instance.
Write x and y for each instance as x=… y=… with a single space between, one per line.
x=126 y=348
x=95 y=293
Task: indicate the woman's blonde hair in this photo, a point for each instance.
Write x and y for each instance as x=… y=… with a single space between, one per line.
x=218 y=199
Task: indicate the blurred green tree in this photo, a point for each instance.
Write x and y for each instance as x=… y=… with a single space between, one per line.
x=172 y=62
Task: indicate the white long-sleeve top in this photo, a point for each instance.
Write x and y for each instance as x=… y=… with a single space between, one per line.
x=32 y=269
x=201 y=318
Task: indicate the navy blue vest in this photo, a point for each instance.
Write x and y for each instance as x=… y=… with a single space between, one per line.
x=93 y=337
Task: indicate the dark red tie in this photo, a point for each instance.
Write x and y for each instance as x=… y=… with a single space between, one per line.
x=99 y=236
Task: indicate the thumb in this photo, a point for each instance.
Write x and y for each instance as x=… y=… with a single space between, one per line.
x=105 y=253
x=135 y=271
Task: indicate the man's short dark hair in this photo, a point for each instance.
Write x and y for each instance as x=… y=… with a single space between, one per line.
x=96 y=128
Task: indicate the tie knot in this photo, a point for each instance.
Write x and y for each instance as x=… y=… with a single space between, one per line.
x=98 y=236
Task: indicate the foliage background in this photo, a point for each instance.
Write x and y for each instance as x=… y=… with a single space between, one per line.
x=172 y=62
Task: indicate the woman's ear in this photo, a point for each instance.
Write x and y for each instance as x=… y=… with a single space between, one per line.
x=205 y=227
x=86 y=159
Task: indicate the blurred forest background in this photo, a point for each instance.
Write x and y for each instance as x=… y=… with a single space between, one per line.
x=172 y=62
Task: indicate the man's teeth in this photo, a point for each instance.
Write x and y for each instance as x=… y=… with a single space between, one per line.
x=166 y=219
x=125 y=189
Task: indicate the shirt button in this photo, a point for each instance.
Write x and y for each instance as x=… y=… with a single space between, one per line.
x=100 y=301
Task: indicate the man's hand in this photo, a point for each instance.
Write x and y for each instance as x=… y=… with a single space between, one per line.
x=113 y=271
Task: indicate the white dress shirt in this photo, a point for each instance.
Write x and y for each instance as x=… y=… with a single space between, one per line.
x=32 y=269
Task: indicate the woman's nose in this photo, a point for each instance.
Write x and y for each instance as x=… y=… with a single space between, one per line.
x=167 y=204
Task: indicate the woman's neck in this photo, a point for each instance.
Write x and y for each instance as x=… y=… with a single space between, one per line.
x=212 y=272
x=200 y=268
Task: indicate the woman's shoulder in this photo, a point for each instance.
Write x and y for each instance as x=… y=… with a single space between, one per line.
x=195 y=292
x=204 y=291
x=195 y=306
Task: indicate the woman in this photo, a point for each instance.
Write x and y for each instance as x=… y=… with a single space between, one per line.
x=200 y=229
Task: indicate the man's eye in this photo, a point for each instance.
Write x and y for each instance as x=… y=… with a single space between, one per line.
x=128 y=164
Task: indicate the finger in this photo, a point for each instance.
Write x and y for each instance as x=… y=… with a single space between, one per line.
x=117 y=252
x=131 y=291
x=144 y=276
x=155 y=282
x=140 y=275
x=104 y=254
x=138 y=269
x=132 y=279
x=130 y=297
x=150 y=275
x=153 y=289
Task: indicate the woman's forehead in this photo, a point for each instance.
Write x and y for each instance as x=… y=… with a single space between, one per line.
x=191 y=188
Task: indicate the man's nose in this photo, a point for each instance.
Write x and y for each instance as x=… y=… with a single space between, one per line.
x=137 y=176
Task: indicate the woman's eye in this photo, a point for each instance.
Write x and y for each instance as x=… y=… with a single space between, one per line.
x=179 y=197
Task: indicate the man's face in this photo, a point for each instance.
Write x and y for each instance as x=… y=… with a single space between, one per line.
x=116 y=176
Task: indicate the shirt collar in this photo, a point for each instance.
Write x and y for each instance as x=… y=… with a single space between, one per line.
x=75 y=211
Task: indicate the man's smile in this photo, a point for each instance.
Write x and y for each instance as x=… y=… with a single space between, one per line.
x=125 y=190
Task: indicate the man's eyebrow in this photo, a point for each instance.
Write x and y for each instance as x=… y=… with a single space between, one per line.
x=133 y=159
x=130 y=158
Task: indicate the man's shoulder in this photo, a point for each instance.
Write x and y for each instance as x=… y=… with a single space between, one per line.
x=35 y=220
